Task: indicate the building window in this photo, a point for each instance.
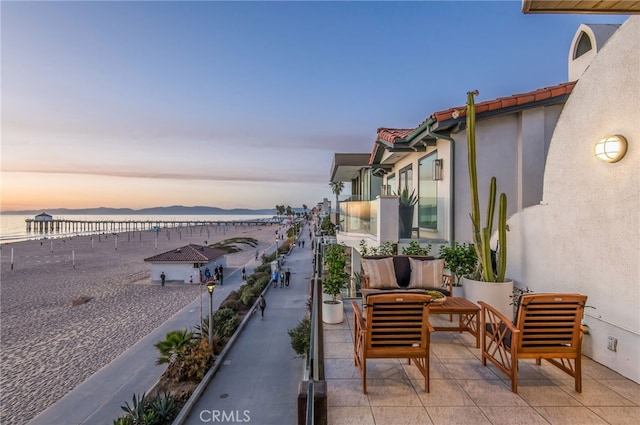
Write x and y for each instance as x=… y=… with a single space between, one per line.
x=391 y=187
x=583 y=45
x=427 y=193
x=406 y=179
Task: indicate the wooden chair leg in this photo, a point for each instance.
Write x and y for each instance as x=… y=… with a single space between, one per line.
x=578 y=372
x=364 y=376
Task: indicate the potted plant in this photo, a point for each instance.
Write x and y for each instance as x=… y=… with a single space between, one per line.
x=487 y=282
x=333 y=282
x=407 y=203
x=460 y=260
x=414 y=248
x=356 y=284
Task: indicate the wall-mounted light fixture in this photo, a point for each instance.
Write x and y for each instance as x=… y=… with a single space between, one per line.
x=611 y=148
x=437 y=169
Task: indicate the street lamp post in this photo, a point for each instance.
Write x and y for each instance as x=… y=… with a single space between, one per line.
x=210 y=287
x=277 y=251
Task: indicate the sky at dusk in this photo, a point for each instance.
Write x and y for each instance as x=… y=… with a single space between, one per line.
x=241 y=104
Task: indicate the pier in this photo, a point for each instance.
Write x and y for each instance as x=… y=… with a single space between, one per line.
x=116 y=226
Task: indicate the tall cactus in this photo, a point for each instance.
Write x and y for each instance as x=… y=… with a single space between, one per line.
x=482 y=235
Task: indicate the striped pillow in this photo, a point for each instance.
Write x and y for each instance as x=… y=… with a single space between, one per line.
x=382 y=274
x=426 y=274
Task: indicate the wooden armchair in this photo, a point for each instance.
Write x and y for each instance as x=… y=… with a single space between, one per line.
x=548 y=326
x=396 y=326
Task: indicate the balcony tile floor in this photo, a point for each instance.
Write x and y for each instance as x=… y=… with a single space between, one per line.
x=464 y=392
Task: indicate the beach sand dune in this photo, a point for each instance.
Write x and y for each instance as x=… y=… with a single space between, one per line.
x=48 y=345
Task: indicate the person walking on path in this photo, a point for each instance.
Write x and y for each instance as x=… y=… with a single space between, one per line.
x=221 y=274
x=162 y=278
x=287 y=277
x=274 y=277
x=244 y=274
x=262 y=304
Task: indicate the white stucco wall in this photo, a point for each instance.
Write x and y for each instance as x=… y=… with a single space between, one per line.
x=512 y=148
x=174 y=272
x=183 y=271
x=598 y=34
x=585 y=237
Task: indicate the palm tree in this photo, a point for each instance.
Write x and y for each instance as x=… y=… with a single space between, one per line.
x=174 y=345
x=336 y=188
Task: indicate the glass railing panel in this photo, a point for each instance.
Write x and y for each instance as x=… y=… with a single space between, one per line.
x=355 y=217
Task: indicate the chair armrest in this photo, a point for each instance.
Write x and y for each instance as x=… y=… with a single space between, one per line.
x=357 y=316
x=447 y=281
x=364 y=282
x=490 y=315
x=430 y=327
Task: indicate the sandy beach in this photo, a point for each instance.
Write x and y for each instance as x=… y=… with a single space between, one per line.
x=48 y=346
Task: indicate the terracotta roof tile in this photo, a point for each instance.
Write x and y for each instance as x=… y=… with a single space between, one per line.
x=506 y=102
x=189 y=254
x=392 y=134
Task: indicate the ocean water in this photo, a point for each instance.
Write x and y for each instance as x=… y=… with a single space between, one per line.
x=13 y=227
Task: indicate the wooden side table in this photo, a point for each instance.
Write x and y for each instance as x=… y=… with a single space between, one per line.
x=468 y=316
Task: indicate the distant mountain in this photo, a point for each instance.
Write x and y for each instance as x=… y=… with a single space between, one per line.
x=172 y=210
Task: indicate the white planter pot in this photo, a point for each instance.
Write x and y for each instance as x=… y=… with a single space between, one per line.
x=458 y=291
x=332 y=313
x=327 y=297
x=495 y=294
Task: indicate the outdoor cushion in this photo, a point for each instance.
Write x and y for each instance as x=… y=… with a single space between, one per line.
x=366 y=292
x=381 y=273
x=426 y=274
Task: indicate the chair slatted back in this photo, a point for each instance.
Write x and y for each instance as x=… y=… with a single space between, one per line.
x=397 y=324
x=550 y=322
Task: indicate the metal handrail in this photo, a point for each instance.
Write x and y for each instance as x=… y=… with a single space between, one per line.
x=316 y=351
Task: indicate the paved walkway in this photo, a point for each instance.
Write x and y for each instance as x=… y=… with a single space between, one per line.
x=263 y=343
x=258 y=380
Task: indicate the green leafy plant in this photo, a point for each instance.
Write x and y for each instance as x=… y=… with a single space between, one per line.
x=328 y=226
x=337 y=188
x=202 y=332
x=173 y=347
x=516 y=297
x=335 y=277
x=414 y=248
x=164 y=406
x=235 y=305
x=194 y=365
x=482 y=235
x=301 y=337
x=247 y=298
x=407 y=199
x=364 y=250
x=387 y=248
x=135 y=413
x=356 y=279
x=460 y=259
x=225 y=322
